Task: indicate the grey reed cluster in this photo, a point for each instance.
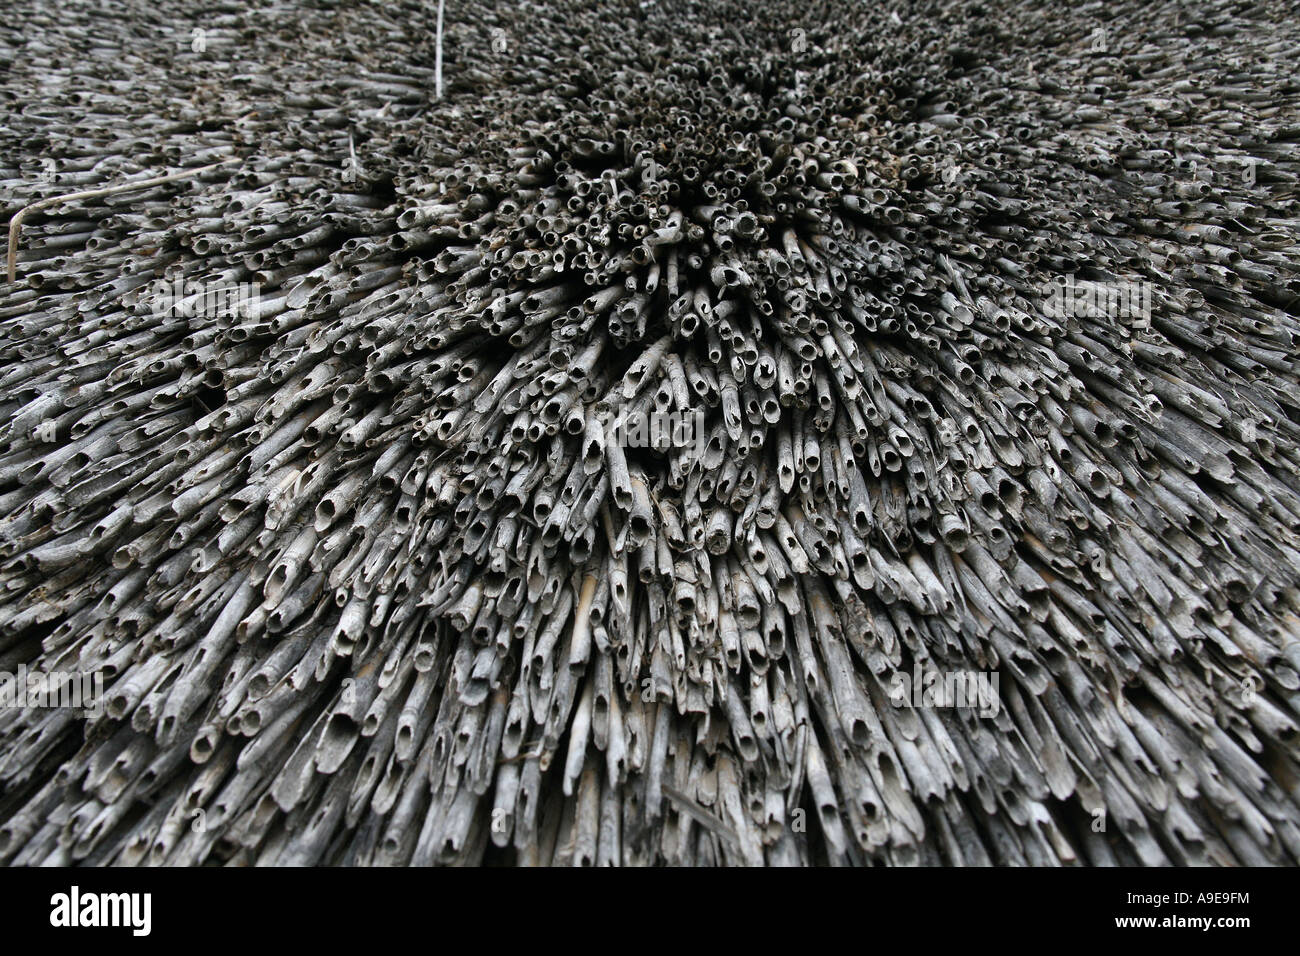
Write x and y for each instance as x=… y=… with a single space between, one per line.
x=987 y=311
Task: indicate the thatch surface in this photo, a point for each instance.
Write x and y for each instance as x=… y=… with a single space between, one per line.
x=366 y=577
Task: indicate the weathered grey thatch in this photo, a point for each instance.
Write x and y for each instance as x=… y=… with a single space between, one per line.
x=370 y=582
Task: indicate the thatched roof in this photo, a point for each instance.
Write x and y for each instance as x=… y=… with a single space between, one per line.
x=765 y=433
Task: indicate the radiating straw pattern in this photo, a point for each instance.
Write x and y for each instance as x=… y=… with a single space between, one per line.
x=987 y=313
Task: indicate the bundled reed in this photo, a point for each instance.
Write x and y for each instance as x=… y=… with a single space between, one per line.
x=978 y=320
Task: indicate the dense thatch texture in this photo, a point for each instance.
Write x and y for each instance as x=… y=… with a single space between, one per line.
x=368 y=579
